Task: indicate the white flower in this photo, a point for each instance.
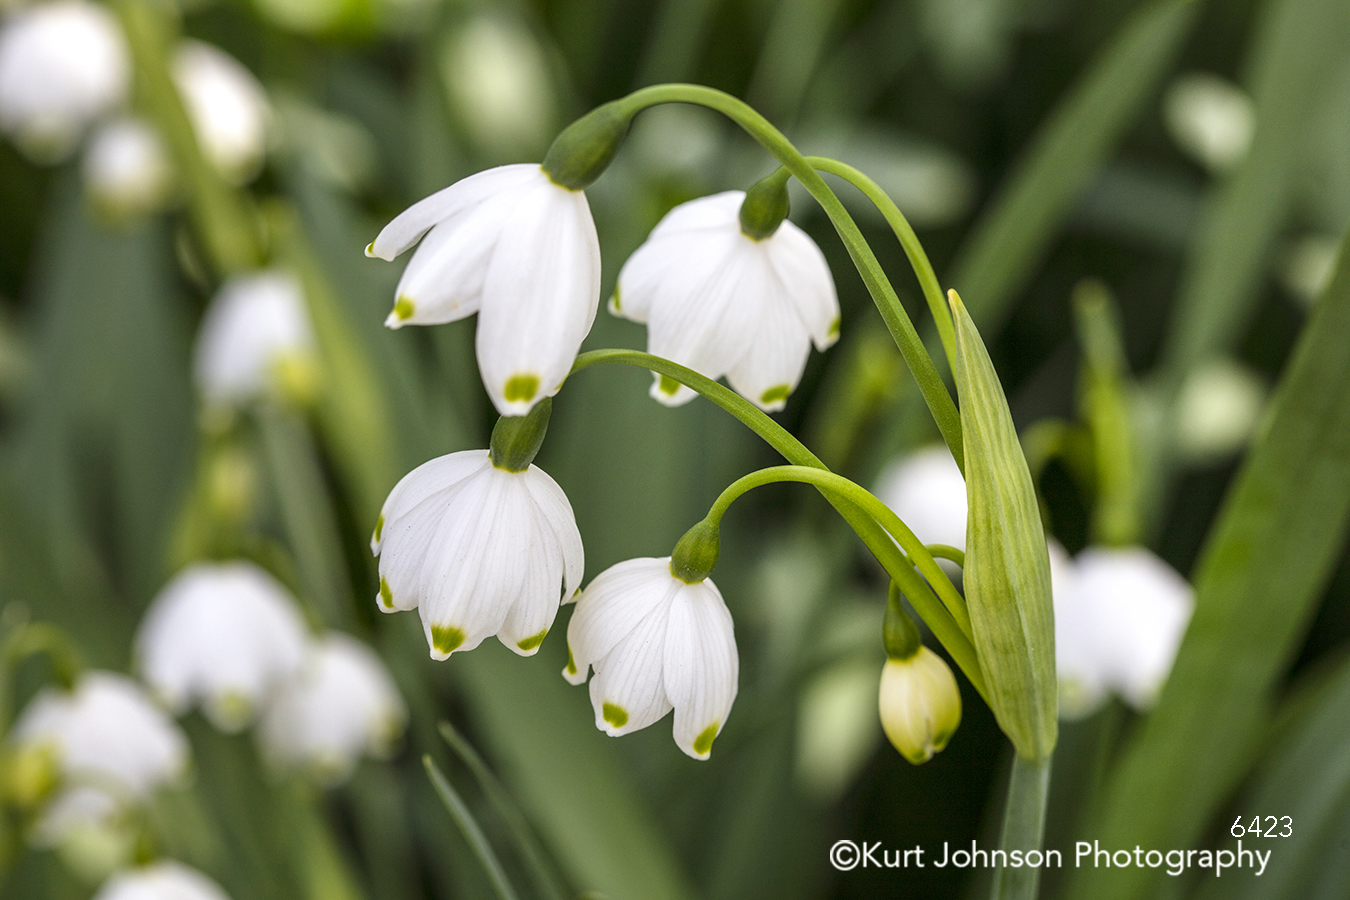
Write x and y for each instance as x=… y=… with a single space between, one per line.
x=723 y=303
x=520 y=251
x=1212 y=119
x=499 y=79
x=62 y=65
x=111 y=746
x=477 y=550
x=926 y=490
x=343 y=703
x=919 y=703
x=656 y=643
x=223 y=635
x=126 y=168
x=1082 y=680
x=227 y=106
x=163 y=880
x=255 y=337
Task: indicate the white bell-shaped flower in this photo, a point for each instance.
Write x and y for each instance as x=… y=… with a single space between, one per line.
x=111 y=745
x=126 y=167
x=163 y=880
x=256 y=338
x=222 y=635
x=656 y=643
x=342 y=704
x=926 y=490
x=477 y=550
x=227 y=106
x=723 y=303
x=62 y=65
x=920 y=704
x=520 y=251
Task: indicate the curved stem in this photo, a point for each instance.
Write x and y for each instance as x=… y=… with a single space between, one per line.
x=948 y=552
x=925 y=373
x=904 y=233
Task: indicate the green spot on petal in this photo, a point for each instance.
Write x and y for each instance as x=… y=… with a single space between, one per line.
x=446 y=638
x=703 y=743
x=834 y=328
x=775 y=394
x=614 y=303
x=404 y=308
x=386 y=595
x=614 y=714
x=379 y=527
x=535 y=640
x=669 y=385
x=370 y=249
x=571 y=663
x=522 y=387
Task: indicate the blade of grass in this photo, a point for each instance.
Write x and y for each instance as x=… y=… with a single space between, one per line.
x=459 y=811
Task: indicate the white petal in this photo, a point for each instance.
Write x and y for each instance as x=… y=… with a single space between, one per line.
x=610 y=607
x=926 y=490
x=163 y=880
x=556 y=510
x=254 y=322
x=628 y=692
x=714 y=212
x=409 y=542
x=1078 y=658
x=430 y=477
x=770 y=367
x=539 y=298
x=443 y=281
x=701 y=666
x=531 y=616
x=807 y=282
x=227 y=107
x=416 y=220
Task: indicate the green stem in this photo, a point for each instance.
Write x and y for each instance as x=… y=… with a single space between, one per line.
x=916 y=356
x=877 y=539
x=948 y=552
x=1023 y=827
x=468 y=826
x=904 y=233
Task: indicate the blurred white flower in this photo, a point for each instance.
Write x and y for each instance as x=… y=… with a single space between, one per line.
x=227 y=106
x=1211 y=119
x=520 y=251
x=126 y=168
x=926 y=490
x=477 y=550
x=656 y=643
x=498 y=79
x=163 y=880
x=255 y=338
x=920 y=704
x=1082 y=678
x=62 y=65
x=110 y=745
x=341 y=704
x=1308 y=265
x=1216 y=410
x=223 y=635
x=723 y=303
x=837 y=725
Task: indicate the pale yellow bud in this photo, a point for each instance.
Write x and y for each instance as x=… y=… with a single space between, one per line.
x=920 y=704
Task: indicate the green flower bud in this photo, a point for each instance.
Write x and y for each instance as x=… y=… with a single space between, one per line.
x=898 y=631
x=695 y=556
x=919 y=703
x=585 y=148
x=1007 y=570
x=516 y=439
x=765 y=206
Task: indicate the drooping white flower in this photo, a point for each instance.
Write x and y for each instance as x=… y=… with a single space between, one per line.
x=919 y=703
x=223 y=635
x=126 y=168
x=256 y=337
x=1082 y=680
x=111 y=745
x=342 y=704
x=1210 y=118
x=926 y=490
x=498 y=77
x=520 y=251
x=656 y=643
x=163 y=880
x=62 y=65
x=477 y=550
x=723 y=303
x=227 y=106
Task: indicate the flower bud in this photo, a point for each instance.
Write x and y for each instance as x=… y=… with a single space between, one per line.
x=920 y=704
x=28 y=775
x=586 y=147
x=695 y=556
x=516 y=439
x=1007 y=570
x=765 y=206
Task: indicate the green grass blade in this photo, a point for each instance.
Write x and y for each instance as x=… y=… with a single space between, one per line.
x=454 y=804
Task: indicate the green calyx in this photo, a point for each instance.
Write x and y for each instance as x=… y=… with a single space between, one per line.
x=765 y=206
x=695 y=556
x=585 y=148
x=898 y=631
x=516 y=439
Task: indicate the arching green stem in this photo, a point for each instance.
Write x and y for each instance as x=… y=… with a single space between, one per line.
x=877 y=539
x=925 y=373
x=946 y=551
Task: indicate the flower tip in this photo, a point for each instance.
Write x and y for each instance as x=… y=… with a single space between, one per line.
x=702 y=746
x=669 y=392
x=612 y=719
x=370 y=250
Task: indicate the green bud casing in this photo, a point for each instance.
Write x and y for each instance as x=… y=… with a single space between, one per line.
x=585 y=148
x=899 y=634
x=765 y=206
x=1007 y=571
x=695 y=556
x=516 y=439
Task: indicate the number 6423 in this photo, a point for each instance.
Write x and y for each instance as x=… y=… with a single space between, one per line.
x=1275 y=826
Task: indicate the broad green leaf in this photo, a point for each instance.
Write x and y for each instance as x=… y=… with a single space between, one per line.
x=1260 y=575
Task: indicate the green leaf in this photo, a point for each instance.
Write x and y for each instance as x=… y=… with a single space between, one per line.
x=459 y=811
x=1260 y=575
x=1012 y=238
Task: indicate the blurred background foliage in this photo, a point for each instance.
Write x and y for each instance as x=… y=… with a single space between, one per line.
x=1032 y=143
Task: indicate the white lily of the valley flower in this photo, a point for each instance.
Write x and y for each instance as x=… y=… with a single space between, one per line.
x=656 y=643
x=920 y=704
x=520 y=251
x=926 y=490
x=227 y=106
x=163 y=880
x=255 y=337
x=723 y=303
x=126 y=168
x=477 y=550
x=62 y=65
x=342 y=704
x=107 y=738
x=223 y=635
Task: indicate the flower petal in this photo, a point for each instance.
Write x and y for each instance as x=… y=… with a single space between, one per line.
x=805 y=276
x=701 y=666
x=409 y=226
x=556 y=511
x=430 y=477
x=611 y=606
x=411 y=540
x=770 y=367
x=531 y=616
x=628 y=692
